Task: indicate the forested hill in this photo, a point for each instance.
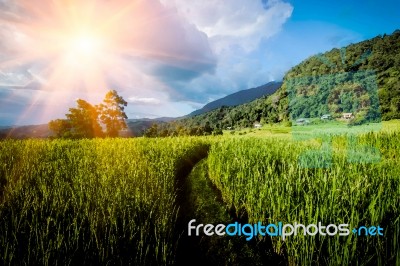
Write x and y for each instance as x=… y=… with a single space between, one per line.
x=342 y=71
x=378 y=57
x=240 y=97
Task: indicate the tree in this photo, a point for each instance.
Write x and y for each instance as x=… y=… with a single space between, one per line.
x=81 y=122
x=60 y=127
x=112 y=113
x=84 y=120
x=152 y=131
x=207 y=128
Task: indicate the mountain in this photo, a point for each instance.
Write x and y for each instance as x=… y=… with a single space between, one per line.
x=362 y=78
x=158 y=119
x=240 y=97
x=22 y=132
x=331 y=82
x=137 y=127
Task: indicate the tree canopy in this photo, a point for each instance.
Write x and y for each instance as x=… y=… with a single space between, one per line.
x=87 y=120
x=112 y=113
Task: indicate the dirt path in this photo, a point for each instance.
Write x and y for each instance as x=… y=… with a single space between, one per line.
x=199 y=199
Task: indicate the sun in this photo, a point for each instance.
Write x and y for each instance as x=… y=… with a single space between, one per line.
x=78 y=45
x=85 y=45
x=83 y=50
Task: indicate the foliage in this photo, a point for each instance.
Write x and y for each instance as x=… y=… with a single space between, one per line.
x=379 y=56
x=112 y=113
x=84 y=120
x=60 y=128
x=81 y=122
x=180 y=128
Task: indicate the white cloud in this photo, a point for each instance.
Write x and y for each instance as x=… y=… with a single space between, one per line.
x=149 y=32
x=235 y=30
x=14 y=79
x=145 y=100
x=235 y=22
x=169 y=55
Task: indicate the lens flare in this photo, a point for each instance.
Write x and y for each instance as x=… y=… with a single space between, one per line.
x=86 y=46
x=74 y=47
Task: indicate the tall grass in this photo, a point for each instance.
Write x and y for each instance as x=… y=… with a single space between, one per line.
x=264 y=177
x=90 y=201
x=115 y=201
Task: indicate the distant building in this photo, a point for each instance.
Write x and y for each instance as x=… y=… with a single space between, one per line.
x=302 y=121
x=257 y=125
x=326 y=117
x=347 y=115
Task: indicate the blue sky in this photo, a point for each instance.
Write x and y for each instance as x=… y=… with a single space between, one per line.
x=368 y=18
x=176 y=56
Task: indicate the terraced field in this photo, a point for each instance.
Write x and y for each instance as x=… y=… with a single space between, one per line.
x=128 y=201
x=91 y=201
x=265 y=179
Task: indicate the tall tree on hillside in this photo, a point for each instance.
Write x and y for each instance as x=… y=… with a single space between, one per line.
x=112 y=113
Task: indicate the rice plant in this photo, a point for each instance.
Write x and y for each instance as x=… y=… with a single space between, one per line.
x=266 y=178
x=106 y=201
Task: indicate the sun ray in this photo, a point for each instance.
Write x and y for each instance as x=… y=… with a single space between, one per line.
x=79 y=46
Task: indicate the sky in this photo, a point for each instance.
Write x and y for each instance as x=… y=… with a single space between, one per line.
x=165 y=57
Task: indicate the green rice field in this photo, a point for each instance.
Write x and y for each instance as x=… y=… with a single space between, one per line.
x=119 y=201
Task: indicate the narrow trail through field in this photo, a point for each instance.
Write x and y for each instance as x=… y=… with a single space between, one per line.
x=199 y=199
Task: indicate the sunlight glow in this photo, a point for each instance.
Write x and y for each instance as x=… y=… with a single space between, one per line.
x=82 y=51
x=85 y=46
x=73 y=46
x=76 y=43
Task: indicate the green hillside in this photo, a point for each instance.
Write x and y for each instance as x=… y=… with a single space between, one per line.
x=361 y=78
